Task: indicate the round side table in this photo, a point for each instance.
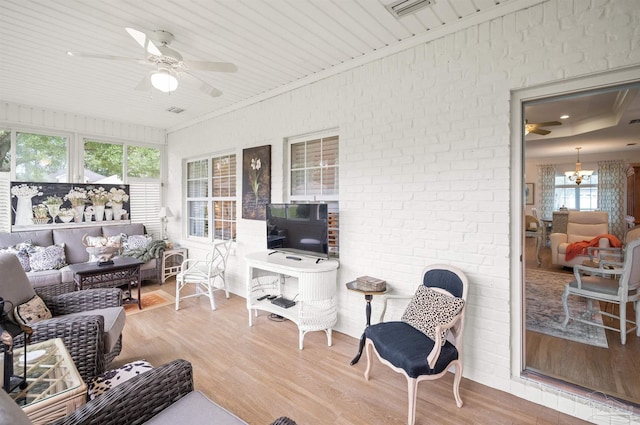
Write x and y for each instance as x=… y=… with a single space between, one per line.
x=368 y=296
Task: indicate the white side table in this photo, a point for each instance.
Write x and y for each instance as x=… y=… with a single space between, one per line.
x=172 y=262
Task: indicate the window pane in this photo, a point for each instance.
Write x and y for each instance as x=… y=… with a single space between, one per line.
x=297 y=182
x=143 y=162
x=103 y=161
x=5 y=150
x=41 y=158
x=297 y=156
x=330 y=181
x=198 y=218
x=330 y=151
x=314 y=186
x=314 y=153
x=197 y=185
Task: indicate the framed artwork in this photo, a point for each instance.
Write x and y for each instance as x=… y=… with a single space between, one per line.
x=256 y=182
x=529 y=194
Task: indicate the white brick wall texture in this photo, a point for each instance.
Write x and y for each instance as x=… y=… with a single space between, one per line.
x=425 y=159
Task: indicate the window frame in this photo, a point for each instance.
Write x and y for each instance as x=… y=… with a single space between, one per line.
x=211 y=198
x=69 y=137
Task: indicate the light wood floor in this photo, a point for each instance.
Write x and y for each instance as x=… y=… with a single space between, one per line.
x=613 y=371
x=259 y=374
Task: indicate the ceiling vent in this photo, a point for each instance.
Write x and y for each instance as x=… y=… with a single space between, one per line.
x=175 y=109
x=402 y=8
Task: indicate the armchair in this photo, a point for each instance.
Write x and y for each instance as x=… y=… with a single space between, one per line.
x=618 y=285
x=427 y=342
x=581 y=226
x=90 y=322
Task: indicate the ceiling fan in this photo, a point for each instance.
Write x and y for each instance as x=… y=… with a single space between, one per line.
x=168 y=63
x=537 y=127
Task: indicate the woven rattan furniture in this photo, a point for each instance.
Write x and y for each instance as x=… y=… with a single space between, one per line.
x=89 y=322
x=54 y=387
x=125 y=271
x=315 y=308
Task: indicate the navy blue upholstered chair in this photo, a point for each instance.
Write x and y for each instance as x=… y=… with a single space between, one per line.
x=427 y=341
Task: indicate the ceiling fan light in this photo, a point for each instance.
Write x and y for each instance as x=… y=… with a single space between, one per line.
x=164 y=81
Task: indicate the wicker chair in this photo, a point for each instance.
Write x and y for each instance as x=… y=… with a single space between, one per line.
x=89 y=322
x=145 y=397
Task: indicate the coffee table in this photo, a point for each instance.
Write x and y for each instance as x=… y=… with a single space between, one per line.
x=54 y=386
x=123 y=271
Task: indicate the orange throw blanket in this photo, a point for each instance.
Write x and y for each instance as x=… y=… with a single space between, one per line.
x=576 y=248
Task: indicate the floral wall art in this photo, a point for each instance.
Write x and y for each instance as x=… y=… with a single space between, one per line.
x=39 y=204
x=256 y=182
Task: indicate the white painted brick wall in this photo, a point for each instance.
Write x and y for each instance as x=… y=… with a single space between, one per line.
x=425 y=159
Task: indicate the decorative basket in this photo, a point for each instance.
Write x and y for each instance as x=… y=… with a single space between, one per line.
x=372 y=284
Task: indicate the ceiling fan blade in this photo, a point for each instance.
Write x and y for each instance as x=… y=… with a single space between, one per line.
x=211 y=66
x=143 y=40
x=204 y=86
x=108 y=57
x=540 y=131
x=547 y=124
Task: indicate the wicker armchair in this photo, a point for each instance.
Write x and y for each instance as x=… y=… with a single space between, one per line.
x=136 y=401
x=89 y=322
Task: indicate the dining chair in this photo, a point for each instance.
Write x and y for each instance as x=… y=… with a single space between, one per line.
x=616 y=285
x=206 y=275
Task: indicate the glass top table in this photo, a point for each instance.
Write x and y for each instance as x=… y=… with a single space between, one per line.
x=54 y=386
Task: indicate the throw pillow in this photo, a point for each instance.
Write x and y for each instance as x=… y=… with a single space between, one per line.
x=47 y=258
x=131 y=242
x=429 y=308
x=21 y=251
x=113 y=378
x=32 y=311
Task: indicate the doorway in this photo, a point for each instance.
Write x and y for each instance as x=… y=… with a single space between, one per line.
x=601 y=112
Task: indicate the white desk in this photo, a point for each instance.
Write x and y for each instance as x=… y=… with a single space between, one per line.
x=315 y=308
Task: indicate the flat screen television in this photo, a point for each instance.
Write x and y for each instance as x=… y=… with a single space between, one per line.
x=298 y=228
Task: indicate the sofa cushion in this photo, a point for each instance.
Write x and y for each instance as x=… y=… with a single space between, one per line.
x=75 y=251
x=46 y=277
x=127 y=229
x=114 y=377
x=20 y=250
x=37 y=237
x=47 y=257
x=114 y=319
x=195 y=408
x=32 y=311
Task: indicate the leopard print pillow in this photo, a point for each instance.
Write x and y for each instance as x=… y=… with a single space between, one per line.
x=429 y=308
x=113 y=378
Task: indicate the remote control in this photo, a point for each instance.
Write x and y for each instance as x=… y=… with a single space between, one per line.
x=291 y=257
x=272 y=297
x=264 y=297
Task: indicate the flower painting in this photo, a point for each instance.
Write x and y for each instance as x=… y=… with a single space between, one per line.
x=256 y=182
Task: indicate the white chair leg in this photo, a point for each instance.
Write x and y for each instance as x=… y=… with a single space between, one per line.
x=456 y=384
x=565 y=295
x=368 y=351
x=178 y=287
x=211 y=299
x=623 y=322
x=412 y=389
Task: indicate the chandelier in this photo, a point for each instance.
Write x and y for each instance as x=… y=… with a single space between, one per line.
x=579 y=174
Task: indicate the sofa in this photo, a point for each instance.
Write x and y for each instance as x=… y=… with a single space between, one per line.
x=581 y=226
x=162 y=395
x=58 y=281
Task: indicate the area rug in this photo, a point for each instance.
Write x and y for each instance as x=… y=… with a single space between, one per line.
x=545 y=313
x=150 y=300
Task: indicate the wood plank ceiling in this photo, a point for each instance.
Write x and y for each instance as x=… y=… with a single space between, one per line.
x=276 y=45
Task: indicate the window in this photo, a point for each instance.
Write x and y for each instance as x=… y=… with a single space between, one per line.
x=143 y=162
x=102 y=161
x=41 y=158
x=583 y=197
x=313 y=176
x=211 y=187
